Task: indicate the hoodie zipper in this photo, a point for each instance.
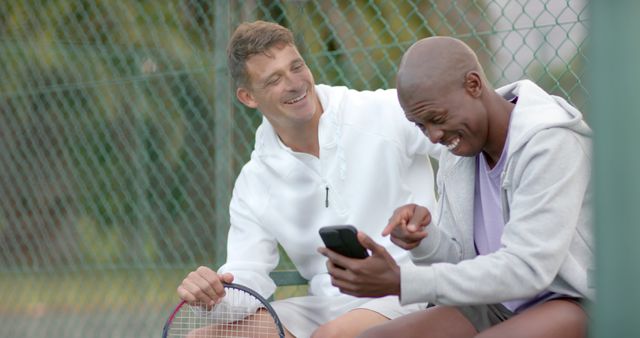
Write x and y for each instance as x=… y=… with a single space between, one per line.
x=326 y=197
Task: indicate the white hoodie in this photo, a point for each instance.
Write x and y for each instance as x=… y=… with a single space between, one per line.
x=372 y=160
x=547 y=242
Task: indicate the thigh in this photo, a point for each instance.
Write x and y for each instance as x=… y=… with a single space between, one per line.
x=258 y=325
x=555 y=318
x=373 y=312
x=350 y=324
x=303 y=315
x=390 y=307
x=434 y=322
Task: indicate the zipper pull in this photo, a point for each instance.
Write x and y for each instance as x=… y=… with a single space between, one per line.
x=326 y=198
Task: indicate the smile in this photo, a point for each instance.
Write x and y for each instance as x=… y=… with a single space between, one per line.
x=453 y=144
x=296 y=99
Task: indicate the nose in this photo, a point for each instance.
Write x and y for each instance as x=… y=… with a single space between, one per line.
x=291 y=82
x=433 y=133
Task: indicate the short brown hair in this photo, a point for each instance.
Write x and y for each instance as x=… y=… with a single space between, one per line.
x=251 y=38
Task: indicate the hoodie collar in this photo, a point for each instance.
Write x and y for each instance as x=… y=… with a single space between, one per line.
x=537 y=110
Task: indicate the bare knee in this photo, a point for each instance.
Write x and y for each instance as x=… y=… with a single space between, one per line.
x=574 y=317
x=350 y=324
x=328 y=330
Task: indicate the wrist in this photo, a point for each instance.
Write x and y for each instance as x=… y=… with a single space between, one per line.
x=397 y=281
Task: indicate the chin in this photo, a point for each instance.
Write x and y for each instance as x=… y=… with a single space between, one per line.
x=462 y=153
x=303 y=116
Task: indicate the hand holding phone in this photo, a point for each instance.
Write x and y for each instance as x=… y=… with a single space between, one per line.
x=343 y=240
x=374 y=276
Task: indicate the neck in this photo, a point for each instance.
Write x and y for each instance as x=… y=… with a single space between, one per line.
x=500 y=112
x=303 y=138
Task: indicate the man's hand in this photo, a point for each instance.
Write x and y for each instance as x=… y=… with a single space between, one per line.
x=407 y=226
x=375 y=276
x=204 y=285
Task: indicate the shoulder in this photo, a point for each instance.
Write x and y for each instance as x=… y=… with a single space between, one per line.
x=357 y=102
x=559 y=140
x=551 y=153
x=378 y=109
x=380 y=100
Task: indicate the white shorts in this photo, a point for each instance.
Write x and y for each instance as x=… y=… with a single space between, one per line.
x=303 y=315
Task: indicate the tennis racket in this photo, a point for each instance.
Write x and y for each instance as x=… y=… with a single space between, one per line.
x=241 y=313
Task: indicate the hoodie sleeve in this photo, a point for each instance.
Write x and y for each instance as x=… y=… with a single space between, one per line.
x=252 y=252
x=548 y=187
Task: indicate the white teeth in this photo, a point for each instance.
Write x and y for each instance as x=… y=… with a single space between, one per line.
x=453 y=144
x=296 y=99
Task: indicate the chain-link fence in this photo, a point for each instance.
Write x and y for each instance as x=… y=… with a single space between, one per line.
x=120 y=136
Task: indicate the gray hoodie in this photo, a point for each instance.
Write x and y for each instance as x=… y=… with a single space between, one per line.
x=547 y=242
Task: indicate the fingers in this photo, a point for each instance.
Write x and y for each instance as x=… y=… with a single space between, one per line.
x=203 y=285
x=411 y=217
x=226 y=277
x=337 y=267
x=400 y=217
x=407 y=226
x=368 y=277
x=421 y=218
x=370 y=244
x=340 y=277
x=340 y=262
x=392 y=226
x=409 y=241
x=335 y=258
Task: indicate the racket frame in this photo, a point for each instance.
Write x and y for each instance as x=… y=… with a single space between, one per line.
x=264 y=302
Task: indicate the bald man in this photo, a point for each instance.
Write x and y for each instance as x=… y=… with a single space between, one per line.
x=509 y=250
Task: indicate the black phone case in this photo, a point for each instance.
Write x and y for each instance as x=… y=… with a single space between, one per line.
x=343 y=240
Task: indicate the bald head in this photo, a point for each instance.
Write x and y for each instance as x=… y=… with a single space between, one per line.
x=436 y=64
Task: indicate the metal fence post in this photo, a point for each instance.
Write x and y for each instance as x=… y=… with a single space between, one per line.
x=616 y=120
x=222 y=130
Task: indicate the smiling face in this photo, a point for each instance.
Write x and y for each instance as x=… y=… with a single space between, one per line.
x=453 y=116
x=442 y=89
x=281 y=86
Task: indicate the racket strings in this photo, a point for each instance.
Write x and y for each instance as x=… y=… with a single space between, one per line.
x=239 y=314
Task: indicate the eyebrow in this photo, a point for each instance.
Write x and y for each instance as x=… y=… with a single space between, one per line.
x=297 y=60
x=420 y=111
x=268 y=78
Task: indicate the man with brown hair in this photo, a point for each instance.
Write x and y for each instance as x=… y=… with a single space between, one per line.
x=323 y=156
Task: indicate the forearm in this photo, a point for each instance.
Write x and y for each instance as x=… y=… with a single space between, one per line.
x=437 y=247
x=489 y=279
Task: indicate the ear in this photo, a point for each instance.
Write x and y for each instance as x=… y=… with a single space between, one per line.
x=473 y=83
x=244 y=95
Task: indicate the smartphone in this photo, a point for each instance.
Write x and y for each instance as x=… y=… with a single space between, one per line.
x=343 y=240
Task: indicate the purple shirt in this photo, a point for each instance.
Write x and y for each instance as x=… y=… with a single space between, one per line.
x=487 y=210
x=489 y=222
